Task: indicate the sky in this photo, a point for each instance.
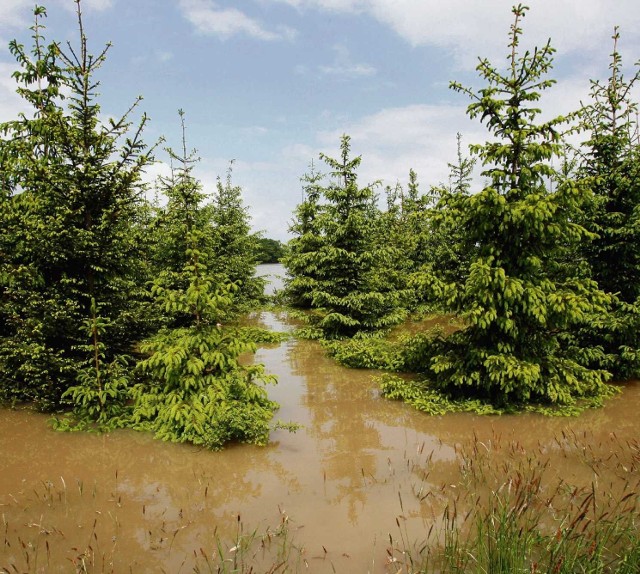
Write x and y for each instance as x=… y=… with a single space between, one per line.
x=270 y=84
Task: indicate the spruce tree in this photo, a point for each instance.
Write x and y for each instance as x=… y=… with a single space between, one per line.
x=71 y=191
x=174 y=221
x=518 y=316
x=611 y=164
x=449 y=251
x=611 y=167
x=352 y=292
x=301 y=259
x=234 y=246
x=193 y=386
x=400 y=238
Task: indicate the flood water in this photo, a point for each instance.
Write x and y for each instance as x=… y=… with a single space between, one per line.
x=343 y=484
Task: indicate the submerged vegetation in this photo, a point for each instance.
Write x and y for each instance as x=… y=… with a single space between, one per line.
x=537 y=265
x=505 y=510
x=517 y=294
x=122 y=312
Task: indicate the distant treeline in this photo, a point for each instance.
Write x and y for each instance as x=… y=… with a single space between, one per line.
x=270 y=250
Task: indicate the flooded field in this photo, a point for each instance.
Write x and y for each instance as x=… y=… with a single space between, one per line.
x=360 y=474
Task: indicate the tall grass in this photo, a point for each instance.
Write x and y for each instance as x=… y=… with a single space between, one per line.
x=517 y=516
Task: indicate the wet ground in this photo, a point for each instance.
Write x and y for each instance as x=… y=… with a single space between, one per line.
x=361 y=469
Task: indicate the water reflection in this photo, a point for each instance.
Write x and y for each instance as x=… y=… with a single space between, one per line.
x=358 y=463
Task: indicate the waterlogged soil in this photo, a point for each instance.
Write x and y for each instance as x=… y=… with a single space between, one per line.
x=361 y=482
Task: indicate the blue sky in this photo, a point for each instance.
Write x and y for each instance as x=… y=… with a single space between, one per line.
x=272 y=83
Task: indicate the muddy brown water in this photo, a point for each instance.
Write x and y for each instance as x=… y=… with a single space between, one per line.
x=342 y=485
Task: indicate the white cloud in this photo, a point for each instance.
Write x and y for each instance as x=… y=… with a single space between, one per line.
x=253 y=131
x=472 y=28
x=395 y=140
x=12 y=13
x=157 y=57
x=343 y=66
x=392 y=141
x=208 y=18
x=348 y=70
x=468 y=27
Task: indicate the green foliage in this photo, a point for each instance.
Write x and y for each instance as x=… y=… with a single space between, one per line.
x=364 y=353
x=194 y=388
x=198 y=392
x=422 y=396
x=234 y=247
x=70 y=188
x=520 y=519
x=336 y=266
x=78 y=246
x=403 y=236
x=261 y=336
x=447 y=249
x=100 y=398
x=518 y=309
x=613 y=171
x=302 y=253
x=270 y=250
x=222 y=224
x=611 y=167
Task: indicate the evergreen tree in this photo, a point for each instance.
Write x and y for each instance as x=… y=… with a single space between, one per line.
x=194 y=388
x=403 y=237
x=234 y=247
x=71 y=189
x=611 y=163
x=518 y=317
x=449 y=253
x=611 y=166
x=300 y=261
x=222 y=223
x=183 y=214
x=352 y=292
x=415 y=208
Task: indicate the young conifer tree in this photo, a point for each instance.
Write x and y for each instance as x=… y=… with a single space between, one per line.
x=193 y=386
x=352 y=293
x=400 y=238
x=518 y=315
x=234 y=246
x=448 y=253
x=611 y=165
x=174 y=221
x=303 y=248
x=71 y=195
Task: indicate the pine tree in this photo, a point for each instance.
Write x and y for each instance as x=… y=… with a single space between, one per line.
x=518 y=316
